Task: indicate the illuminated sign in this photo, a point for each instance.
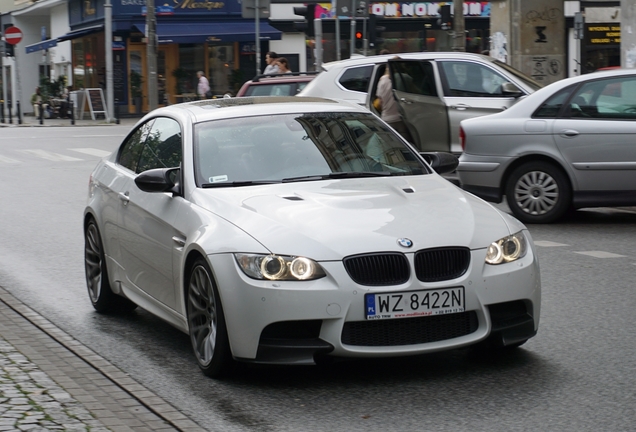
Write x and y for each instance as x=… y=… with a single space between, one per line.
x=609 y=33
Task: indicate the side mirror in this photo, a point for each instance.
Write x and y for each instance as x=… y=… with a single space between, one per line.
x=159 y=180
x=509 y=89
x=441 y=162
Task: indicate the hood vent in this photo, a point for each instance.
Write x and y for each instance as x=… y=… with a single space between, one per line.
x=293 y=198
x=409 y=189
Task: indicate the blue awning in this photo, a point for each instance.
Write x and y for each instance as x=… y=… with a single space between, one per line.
x=199 y=32
x=50 y=43
x=80 y=32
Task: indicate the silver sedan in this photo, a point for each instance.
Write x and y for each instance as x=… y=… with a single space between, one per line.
x=570 y=145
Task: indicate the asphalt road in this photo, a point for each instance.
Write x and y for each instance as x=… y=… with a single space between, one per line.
x=578 y=373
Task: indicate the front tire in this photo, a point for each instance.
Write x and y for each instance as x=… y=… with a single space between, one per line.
x=99 y=291
x=206 y=321
x=538 y=192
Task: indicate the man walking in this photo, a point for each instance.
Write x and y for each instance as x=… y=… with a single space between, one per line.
x=203 y=87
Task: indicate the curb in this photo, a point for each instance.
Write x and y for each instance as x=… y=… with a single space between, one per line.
x=153 y=403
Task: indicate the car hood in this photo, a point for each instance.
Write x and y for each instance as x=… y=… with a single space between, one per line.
x=328 y=220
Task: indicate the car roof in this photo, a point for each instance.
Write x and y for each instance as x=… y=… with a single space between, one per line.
x=214 y=109
x=292 y=77
x=360 y=61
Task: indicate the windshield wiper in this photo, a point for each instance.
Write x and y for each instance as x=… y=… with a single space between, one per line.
x=337 y=175
x=239 y=183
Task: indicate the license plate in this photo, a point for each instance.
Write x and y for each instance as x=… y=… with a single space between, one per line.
x=415 y=303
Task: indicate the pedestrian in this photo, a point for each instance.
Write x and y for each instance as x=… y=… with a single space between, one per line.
x=283 y=65
x=270 y=59
x=388 y=105
x=203 y=87
x=36 y=101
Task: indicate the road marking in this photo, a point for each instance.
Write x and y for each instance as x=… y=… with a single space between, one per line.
x=51 y=156
x=8 y=160
x=600 y=254
x=546 y=243
x=92 y=151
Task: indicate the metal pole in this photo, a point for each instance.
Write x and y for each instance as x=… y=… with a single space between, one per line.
x=108 y=46
x=19 y=112
x=459 y=29
x=337 y=12
x=257 y=26
x=41 y=112
x=151 y=54
x=366 y=36
x=318 y=33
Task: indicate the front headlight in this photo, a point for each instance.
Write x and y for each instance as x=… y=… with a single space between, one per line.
x=507 y=249
x=279 y=267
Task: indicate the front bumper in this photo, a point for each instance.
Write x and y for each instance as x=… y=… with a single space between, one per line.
x=292 y=322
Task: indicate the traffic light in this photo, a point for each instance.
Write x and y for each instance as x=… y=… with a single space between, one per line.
x=309 y=13
x=375 y=32
x=359 y=40
x=445 y=21
x=9 y=49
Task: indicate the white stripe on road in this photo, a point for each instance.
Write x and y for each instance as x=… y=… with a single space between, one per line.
x=600 y=254
x=51 y=156
x=8 y=160
x=546 y=243
x=92 y=151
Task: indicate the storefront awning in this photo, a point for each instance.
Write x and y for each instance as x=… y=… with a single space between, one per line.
x=50 y=43
x=199 y=32
x=81 y=32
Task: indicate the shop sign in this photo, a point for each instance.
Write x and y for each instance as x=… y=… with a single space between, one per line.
x=603 y=34
x=409 y=9
x=426 y=9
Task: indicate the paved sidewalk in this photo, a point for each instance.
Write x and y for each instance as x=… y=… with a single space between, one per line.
x=51 y=382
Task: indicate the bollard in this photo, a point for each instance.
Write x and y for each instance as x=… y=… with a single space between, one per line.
x=116 y=111
x=19 y=113
x=72 y=112
x=2 y=110
x=10 y=118
x=41 y=112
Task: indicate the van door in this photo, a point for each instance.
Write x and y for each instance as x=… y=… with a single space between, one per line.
x=424 y=112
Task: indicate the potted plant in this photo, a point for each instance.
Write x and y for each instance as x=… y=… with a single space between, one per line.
x=136 y=82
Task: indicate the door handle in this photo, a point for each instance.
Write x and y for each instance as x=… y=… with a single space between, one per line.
x=569 y=133
x=406 y=101
x=123 y=196
x=460 y=107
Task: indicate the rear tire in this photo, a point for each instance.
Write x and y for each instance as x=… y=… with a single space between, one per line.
x=99 y=291
x=538 y=192
x=206 y=322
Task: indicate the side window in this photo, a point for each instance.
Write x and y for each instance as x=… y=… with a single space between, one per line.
x=605 y=99
x=414 y=77
x=132 y=148
x=163 y=147
x=356 y=79
x=471 y=79
x=551 y=107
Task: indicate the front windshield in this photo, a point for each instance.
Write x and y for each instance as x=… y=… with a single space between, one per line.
x=299 y=147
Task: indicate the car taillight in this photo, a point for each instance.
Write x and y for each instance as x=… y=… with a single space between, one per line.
x=462 y=138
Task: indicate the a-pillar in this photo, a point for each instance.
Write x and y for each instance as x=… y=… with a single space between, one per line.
x=530 y=36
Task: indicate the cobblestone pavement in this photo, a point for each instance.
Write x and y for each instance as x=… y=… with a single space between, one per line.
x=51 y=382
x=31 y=400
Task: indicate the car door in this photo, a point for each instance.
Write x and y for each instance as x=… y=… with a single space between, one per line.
x=471 y=89
x=417 y=95
x=596 y=135
x=146 y=230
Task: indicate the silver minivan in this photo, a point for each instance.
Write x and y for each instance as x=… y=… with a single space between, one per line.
x=435 y=90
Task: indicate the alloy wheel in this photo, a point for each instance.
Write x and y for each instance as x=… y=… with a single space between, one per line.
x=202 y=315
x=93 y=262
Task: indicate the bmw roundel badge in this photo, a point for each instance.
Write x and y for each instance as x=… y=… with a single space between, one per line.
x=404 y=242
